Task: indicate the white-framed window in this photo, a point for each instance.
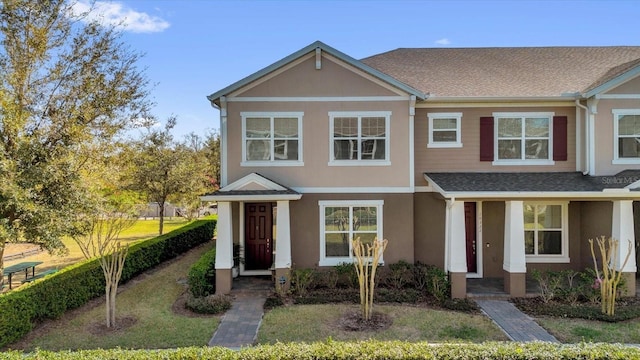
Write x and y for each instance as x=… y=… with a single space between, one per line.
x=523 y=138
x=546 y=235
x=626 y=136
x=445 y=130
x=359 y=137
x=272 y=138
x=344 y=220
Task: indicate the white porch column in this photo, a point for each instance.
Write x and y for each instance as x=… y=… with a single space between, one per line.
x=457 y=252
x=283 y=245
x=622 y=230
x=514 y=262
x=224 y=248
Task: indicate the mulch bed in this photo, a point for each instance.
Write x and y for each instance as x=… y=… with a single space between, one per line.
x=353 y=321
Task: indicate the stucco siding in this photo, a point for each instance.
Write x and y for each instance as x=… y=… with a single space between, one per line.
x=630 y=87
x=303 y=79
x=429 y=230
x=398 y=224
x=604 y=130
x=596 y=222
x=317 y=172
x=467 y=158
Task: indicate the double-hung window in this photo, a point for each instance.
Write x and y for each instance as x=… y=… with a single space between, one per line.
x=626 y=132
x=343 y=221
x=444 y=130
x=272 y=138
x=523 y=138
x=359 y=137
x=545 y=232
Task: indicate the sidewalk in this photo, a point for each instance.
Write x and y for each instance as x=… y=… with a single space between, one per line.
x=239 y=326
x=513 y=322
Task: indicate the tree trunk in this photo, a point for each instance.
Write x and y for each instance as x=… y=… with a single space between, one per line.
x=2 y=245
x=108 y=305
x=112 y=302
x=161 y=226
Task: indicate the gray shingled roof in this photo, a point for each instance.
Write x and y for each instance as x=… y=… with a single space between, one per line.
x=532 y=182
x=506 y=72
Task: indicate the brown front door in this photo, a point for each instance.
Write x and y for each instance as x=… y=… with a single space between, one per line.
x=470 y=231
x=258 y=236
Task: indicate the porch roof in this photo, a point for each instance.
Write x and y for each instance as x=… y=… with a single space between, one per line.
x=253 y=187
x=553 y=184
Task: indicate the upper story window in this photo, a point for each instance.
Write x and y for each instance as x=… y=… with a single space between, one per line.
x=444 y=130
x=272 y=138
x=523 y=138
x=626 y=132
x=545 y=232
x=359 y=137
x=342 y=221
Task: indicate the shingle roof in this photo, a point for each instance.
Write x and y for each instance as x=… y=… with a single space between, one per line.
x=532 y=182
x=505 y=72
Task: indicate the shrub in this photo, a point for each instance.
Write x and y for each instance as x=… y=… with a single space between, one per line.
x=211 y=304
x=398 y=275
x=301 y=280
x=202 y=275
x=347 y=276
x=438 y=283
x=370 y=349
x=75 y=285
x=420 y=275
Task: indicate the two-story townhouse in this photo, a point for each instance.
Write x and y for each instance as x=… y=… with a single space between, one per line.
x=486 y=162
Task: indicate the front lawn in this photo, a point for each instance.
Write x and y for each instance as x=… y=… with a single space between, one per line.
x=146 y=302
x=310 y=323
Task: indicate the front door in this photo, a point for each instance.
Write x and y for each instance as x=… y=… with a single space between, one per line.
x=258 y=236
x=470 y=234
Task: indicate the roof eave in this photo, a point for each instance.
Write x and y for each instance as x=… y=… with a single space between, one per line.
x=563 y=97
x=324 y=47
x=618 y=80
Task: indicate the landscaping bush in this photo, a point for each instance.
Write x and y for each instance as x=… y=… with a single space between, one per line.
x=588 y=311
x=371 y=349
x=397 y=275
x=75 y=285
x=202 y=275
x=347 y=276
x=211 y=304
x=302 y=281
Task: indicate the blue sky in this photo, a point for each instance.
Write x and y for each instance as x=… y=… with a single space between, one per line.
x=195 y=47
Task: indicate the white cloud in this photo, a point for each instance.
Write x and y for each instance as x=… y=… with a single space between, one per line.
x=443 y=41
x=116 y=14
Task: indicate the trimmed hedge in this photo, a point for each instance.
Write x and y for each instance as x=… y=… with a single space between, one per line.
x=75 y=285
x=202 y=275
x=359 y=350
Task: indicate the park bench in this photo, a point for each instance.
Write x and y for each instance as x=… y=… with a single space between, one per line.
x=40 y=275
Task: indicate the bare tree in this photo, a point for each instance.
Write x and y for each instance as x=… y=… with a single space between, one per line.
x=101 y=241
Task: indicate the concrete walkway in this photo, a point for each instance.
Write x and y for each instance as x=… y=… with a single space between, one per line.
x=513 y=322
x=239 y=326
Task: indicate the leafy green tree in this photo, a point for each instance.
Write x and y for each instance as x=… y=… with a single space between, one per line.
x=66 y=89
x=164 y=169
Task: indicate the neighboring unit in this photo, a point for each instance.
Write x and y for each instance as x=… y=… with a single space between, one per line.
x=487 y=162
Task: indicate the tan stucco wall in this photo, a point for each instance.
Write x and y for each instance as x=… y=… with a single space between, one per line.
x=596 y=221
x=467 y=158
x=604 y=135
x=629 y=87
x=303 y=79
x=429 y=233
x=316 y=171
x=492 y=238
x=398 y=224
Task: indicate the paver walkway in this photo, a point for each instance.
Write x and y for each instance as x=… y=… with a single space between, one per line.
x=513 y=322
x=239 y=326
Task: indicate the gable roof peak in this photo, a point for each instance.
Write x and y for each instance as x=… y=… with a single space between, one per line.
x=305 y=50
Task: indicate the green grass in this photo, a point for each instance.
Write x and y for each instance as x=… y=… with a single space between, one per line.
x=141 y=230
x=578 y=330
x=310 y=323
x=149 y=299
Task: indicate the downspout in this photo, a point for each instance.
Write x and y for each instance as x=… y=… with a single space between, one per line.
x=587 y=144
